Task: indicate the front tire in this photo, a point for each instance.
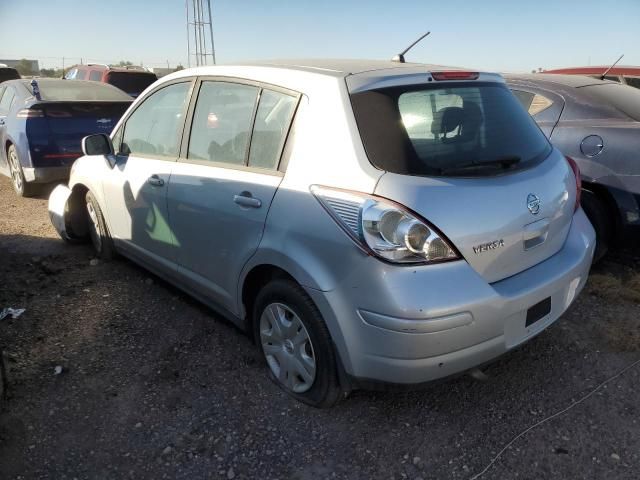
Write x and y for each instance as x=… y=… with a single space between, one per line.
x=296 y=344
x=597 y=214
x=98 y=231
x=20 y=185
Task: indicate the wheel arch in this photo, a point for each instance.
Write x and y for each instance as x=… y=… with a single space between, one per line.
x=256 y=278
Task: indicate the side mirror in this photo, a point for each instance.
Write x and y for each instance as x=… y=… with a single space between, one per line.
x=99 y=144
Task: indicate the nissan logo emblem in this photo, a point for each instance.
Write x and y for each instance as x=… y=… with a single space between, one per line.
x=533 y=204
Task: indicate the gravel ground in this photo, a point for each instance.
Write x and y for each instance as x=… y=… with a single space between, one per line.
x=154 y=385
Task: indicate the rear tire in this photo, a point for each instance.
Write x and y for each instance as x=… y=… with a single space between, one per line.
x=303 y=342
x=98 y=231
x=20 y=185
x=597 y=213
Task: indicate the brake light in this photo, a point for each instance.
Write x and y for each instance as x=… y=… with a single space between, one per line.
x=576 y=173
x=30 y=113
x=455 y=75
x=385 y=228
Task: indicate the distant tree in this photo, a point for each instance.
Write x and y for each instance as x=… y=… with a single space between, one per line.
x=178 y=68
x=122 y=63
x=24 y=68
x=51 y=72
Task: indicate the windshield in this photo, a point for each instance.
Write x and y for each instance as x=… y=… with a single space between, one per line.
x=131 y=82
x=57 y=90
x=623 y=98
x=470 y=129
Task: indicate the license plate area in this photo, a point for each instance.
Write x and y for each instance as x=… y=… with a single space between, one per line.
x=538 y=311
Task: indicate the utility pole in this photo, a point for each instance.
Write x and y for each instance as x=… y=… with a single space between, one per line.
x=200 y=46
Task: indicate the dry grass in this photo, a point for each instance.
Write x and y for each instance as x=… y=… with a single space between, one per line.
x=613 y=289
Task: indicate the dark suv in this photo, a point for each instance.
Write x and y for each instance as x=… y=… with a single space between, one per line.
x=8 y=73
x=132 y=80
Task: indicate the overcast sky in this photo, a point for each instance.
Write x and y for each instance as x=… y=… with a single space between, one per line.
x=489 y=34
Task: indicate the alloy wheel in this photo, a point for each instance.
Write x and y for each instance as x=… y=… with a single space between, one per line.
x=287 y=347
x=16 y=171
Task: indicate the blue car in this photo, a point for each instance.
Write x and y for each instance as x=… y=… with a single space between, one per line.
x=42 y=123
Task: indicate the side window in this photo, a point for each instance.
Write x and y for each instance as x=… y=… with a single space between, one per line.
x=95 y=75
x=71 y=74
x=221 y=124
x=534 y=103
x=633 y=81
x=80 y=75
x=153 y=128
x=613 y=78
x=7 y=100
x=270 y=129
x=525 y=98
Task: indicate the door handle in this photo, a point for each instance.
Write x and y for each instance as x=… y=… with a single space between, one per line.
x=1 y=121
x=246 y=200
x=155 y=180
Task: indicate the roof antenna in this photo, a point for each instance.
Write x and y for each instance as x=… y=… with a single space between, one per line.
x=400 y=57
x=608 y=69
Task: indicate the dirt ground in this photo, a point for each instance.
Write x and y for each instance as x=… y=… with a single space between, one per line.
x=154 y=385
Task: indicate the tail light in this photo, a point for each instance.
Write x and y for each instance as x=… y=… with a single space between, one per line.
x=30 y=113
x=455 y=75
x=385 y=228
x=576 y=173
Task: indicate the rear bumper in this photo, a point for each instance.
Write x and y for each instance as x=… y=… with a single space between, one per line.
x=414 y=325
x=46 y=174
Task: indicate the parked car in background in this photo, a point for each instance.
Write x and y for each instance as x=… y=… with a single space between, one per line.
x=43 y=121
x=8 y=73
x=597 y=123
x=366 y=221
x=626 y=75
x=132 y=80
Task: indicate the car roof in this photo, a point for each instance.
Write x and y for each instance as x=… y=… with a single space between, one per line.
x=304 y=75
x=575 y=81
x=342 y=67
x=598 y=69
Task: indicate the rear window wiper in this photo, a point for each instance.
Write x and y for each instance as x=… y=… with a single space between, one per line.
x=504 y=163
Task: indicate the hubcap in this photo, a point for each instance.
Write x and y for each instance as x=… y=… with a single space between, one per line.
x=94 y=227
x=287 y=347
x=14 y=166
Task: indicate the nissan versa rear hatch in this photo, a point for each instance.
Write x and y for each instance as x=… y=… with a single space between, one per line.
x=466 y=156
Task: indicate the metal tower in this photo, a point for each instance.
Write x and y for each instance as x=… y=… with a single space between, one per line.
x=200 y=46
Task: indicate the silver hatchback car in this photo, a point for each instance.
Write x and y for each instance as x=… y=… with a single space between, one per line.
x=366 y=222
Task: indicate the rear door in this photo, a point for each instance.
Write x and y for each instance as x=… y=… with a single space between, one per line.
x=147 y=146
x=222 y=186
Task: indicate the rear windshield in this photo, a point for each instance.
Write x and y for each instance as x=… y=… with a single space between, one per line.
x=131 y=82
x=623 y=98
x=55 y=90
x=8 y=74
x=470 y=129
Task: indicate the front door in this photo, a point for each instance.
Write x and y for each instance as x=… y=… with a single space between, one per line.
x=147 y=147
x=219 y=195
